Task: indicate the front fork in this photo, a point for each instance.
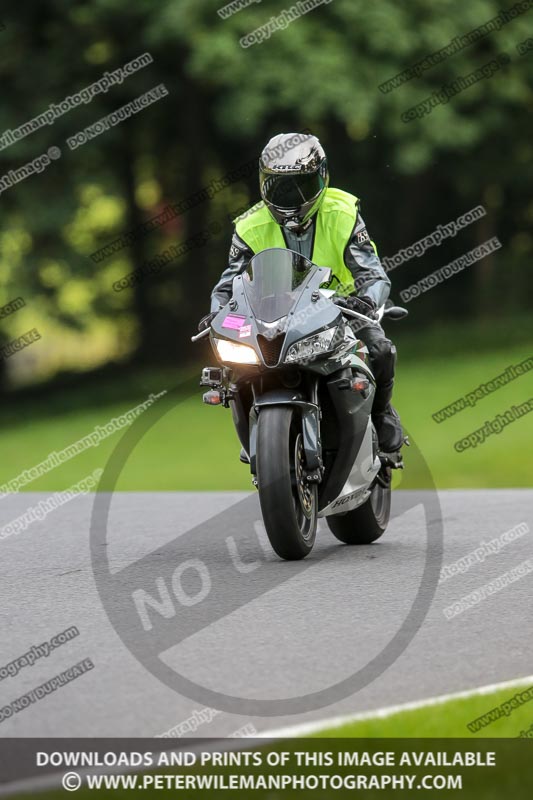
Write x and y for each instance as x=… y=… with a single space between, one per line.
x=310 y=417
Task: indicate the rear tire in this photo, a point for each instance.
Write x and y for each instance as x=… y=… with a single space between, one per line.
x=289 y=504
x=367 y=523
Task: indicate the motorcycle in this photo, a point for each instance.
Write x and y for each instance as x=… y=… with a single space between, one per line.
x=300 y=388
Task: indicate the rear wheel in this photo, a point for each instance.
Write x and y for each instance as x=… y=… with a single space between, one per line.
x=288 y=501
x=367 y=523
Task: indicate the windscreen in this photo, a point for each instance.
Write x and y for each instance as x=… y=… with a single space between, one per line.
x=274 y=280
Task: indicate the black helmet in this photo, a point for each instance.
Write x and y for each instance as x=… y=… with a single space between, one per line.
x=293 y=178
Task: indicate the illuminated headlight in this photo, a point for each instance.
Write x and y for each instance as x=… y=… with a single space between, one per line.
x=312 y=346
x=235 y=353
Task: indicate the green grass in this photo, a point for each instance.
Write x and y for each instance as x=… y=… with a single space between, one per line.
x=194 y=447
x=445 y=720
x=426 y=386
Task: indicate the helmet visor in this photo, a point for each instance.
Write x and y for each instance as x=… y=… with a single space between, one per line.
x=292 y=191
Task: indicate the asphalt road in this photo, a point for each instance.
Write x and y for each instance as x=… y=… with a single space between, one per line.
x=232 y=618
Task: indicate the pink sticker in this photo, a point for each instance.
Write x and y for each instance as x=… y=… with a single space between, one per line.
x=246 y=330
x=234 y=322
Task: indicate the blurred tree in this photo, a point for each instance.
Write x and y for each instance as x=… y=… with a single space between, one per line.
x=322 y=72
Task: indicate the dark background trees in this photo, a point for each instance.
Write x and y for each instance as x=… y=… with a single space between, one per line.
x=225 y=101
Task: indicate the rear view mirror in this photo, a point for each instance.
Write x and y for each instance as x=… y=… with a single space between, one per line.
x=395 y=312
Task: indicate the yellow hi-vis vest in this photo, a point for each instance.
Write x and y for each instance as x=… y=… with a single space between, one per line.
x=335 y=222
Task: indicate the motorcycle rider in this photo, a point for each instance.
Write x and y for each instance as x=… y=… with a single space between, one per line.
x=301 y=212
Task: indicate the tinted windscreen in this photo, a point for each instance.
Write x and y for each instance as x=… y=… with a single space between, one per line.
x=274 y=280
x=290 y=191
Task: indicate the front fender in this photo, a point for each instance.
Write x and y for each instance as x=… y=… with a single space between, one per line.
x=310 y=424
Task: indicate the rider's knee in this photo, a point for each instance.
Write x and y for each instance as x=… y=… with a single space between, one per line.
x=382 y=351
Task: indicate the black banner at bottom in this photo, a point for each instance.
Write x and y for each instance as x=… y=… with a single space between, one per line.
x=303 y=767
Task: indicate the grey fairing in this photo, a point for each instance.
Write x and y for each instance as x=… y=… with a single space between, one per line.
x=352 y=410
x=304 y=319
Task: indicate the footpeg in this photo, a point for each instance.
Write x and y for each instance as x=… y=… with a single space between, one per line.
x=392 y=460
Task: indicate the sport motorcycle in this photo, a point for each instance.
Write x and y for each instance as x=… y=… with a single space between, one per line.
x=299 y=385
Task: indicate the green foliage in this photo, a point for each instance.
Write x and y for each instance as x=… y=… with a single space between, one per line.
x=321 y=72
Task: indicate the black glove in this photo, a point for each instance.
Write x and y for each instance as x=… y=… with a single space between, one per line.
x=206 y=321
x=363 y=305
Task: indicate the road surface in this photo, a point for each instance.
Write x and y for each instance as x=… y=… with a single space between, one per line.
x=235 y=620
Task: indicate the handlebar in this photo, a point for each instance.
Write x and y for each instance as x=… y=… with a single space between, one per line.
x=201 y=335
x=393 y=313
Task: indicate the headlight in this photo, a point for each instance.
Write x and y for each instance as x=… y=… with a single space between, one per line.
x=312 y=346
x=235 y=353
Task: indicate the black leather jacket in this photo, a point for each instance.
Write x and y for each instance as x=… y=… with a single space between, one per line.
x=369 y=276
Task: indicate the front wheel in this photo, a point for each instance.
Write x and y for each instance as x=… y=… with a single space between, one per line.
x=288 y=501
x=369 y=521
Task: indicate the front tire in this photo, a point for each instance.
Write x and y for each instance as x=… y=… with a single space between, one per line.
x=369 y=521
x=289 y=504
